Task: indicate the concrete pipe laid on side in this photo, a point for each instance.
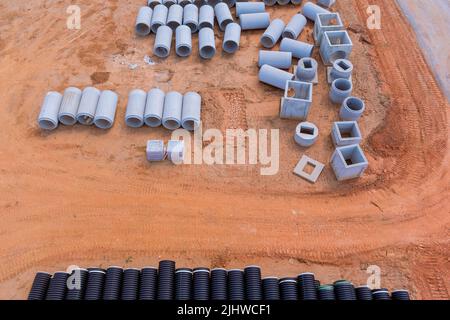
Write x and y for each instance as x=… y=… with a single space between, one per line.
x=48 y=117
x=154 y=108
x=183 y=41
x=340 y=90
x=352 y=108
x=159 y=17
x=190 y=17
x=163 y=42
x=275 y=77
x=175 y=16
x=277 y=59
x=69 y=106
x=270 y=2
x=88 y=106
x=298 y=49
x=106 y=109
x=173 y=105
x=249 y=7
x=206 y=17
x=192 y=104
x=273 y=33
x=306 y=69
x=232 y=37
x=153 y=3
x=306 y=133
x=310 y=10
x=295 y=26
x=143 y=21
x=206 y=43
x=252 y=21
x=223 y=15
x=134 y=116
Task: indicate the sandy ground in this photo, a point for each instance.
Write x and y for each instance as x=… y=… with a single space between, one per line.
x=88 y=197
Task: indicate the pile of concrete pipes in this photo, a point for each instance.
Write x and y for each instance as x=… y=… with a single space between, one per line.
x=90 y=106
x=172 y=110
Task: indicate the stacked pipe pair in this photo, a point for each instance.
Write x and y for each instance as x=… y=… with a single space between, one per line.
x=90 y=106
x=173 y=110
x=157 y=151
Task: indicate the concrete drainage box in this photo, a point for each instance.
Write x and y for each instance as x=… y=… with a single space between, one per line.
x=326 y=22
x=335 y=45
x=349 y=162
x=345 y=133
x=297 y=99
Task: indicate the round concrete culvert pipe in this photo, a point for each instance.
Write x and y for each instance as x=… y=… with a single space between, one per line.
x=153 y=3
x=134 y=116
x=154 y=108
x=232 y=37
x=163 y=42
x=48 y=117
x=223 y=15
x=159 y=17
x=306 y=133
x=275 y=77
x=249 y=7
x=352 y=109
x=69 y=106
x=206 y=42
x=273 y=33
x=253 y=21
x=192 y=104
x=277 y=59
x=175 y=16
x=169 y=3
x=306 y=69
x=340 y=90
x=88 y=106
x=173 y=106
x=183 y=41
x=106 y=109
x=298 y=49
x=283 y=2
x=184 y=3
x=295 y=26
x=310 y=10
x=342 y=68
x=143 y=21
x=206 y=17
x=270 y=2
x=190 y=17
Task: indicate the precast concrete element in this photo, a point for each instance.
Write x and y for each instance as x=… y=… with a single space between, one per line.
x=48 y=117
x=154 y=108
x=175 y=151
x=277 y=59
x=249 y=7
x=283 y=2
x=344 y=133
x=305 y=161
x=348 y=162
x=306 y=133
x=134 y=116
x=175 y=16
x=273 y=33
x=143 y=21
x=340 y=90
x=156 y=150
x=335 y=45
x=326 y=22
x=270 y=2
x=275 y=77
x=297 y=100
x=223 y=15
x=231 y=38
x=173 y=106
x=352 y=108
x=106 y=109
x=69 y=106
x=88 y=105
x=169 y=3
x=190 y=17
x=159 y=17
x=326 y=3
x=163 y=41
x=153 y=3
x=295 y=26
x=342 y=68
x=306 y=69
x=192 y=104
x=252 y=21
x=310 y=10
x=298 y=49
x=229 y=3
x=183 y=41
x=206 y=17
x=206 y=43
x=184 y=2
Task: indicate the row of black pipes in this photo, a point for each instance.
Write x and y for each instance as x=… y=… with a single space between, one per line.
x=168 y=283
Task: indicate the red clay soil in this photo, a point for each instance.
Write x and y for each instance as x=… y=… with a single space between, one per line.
x=84 y=196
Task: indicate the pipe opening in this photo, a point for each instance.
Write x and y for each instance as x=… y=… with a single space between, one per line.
x=342 y=84
x=192 y=26
x=352 y=156
x=230 y=46
x=161 y=52
x=343 y=65
x=171 y=124
x=142 y=29
x=267 y=41
x=224 y=23
x=207 y=52
x=134 y=122
x=85 y=119
x=155 y=26
x=173 y=25
x=47 y=124
x=307 y=64
x=355 y=104
x=307 y=130
x=189 y=125
x=153 y=122
x=183 y=50
x=103 y=123
x=288 y=34
x=67 y=120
